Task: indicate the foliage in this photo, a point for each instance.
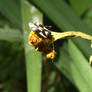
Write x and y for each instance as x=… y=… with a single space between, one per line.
x=22 y=69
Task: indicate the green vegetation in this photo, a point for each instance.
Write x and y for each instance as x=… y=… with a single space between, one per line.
x=22 y=69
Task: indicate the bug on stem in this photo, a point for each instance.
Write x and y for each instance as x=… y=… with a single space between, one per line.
x=40 y=37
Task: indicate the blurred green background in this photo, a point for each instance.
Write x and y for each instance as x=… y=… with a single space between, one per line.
x=22 y=69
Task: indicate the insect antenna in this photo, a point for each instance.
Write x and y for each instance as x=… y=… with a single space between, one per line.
x=48 y=27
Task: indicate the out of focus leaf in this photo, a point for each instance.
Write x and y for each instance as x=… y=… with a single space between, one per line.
x=11 y=10
x=80 y=6
x=11 y=35
x=83 y=77
x=74 y=66
x=88 y=18
x=33 y=58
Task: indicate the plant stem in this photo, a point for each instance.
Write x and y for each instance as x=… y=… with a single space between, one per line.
x=64 y=35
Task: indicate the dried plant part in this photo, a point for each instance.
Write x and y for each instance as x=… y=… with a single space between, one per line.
x=65 y=35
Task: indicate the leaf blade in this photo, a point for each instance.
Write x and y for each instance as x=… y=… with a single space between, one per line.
x=33 y=58
x=83 y=67
x=12 y=35
x=81 y=6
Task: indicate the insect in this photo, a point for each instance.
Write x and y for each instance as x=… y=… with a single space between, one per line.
x=40 y=37
x=40 y=30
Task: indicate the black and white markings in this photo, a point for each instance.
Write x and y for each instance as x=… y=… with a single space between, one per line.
x=40 y=30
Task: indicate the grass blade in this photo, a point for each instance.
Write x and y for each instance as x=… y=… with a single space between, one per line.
x=11 y=35
x=84 y=77
x=75 y=67
x=33 y=58
x=81 y=6
x=11 y=10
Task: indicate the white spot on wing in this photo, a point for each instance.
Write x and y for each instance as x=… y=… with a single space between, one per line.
x=32 y=26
